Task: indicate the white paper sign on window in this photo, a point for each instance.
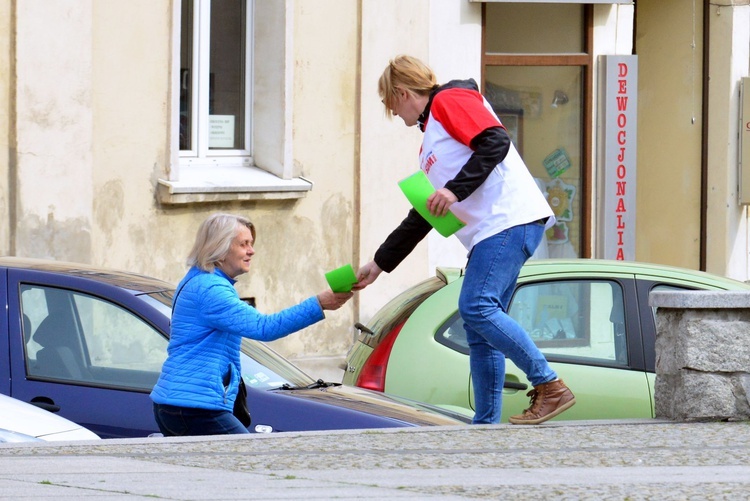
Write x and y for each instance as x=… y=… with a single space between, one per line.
x=221 y=131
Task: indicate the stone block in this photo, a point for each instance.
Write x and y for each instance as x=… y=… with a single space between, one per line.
x=700 y=396
x=703 y=340
x=702 y=355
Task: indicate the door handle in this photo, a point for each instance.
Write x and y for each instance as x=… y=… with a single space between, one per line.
x=515 y=386
x=45 y=403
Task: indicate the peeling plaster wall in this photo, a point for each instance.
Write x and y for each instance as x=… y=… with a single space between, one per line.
x=316 y=236
x=131 y=124
x=54 y=129
x=389 y=150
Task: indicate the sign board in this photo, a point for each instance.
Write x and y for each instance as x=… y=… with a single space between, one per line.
x=221 y=131
x=620 y=105
x=744 y=167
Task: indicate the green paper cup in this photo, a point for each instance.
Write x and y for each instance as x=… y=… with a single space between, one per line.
x=418 y=189
x=342 y=279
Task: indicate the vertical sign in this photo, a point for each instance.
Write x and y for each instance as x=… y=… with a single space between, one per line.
x=744 y=174
x=620 y=99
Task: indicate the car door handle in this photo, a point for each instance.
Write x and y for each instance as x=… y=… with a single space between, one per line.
x=45 y=403
x=515 y=386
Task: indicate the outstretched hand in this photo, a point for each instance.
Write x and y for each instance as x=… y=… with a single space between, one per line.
x=330 y=300
x=440 y=202
x=367 y=275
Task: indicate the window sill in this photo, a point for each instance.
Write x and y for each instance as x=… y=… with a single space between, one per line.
x=229 y=183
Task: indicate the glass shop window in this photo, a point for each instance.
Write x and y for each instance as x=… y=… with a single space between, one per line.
x=537 y=77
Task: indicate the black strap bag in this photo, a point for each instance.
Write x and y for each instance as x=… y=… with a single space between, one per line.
x=241 y=411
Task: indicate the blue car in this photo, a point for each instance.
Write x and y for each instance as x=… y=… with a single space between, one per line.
x=89 y=343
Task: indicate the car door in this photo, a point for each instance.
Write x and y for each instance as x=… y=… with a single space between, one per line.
x=589 y=330
x=4 y=332
x=84 y=349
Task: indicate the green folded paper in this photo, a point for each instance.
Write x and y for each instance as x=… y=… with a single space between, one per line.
x=342 y=279
x=418 y=189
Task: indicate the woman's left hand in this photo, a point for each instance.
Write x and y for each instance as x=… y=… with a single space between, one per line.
x=440 y=202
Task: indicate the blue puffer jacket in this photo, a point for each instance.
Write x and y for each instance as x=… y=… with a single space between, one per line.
x=209 y=321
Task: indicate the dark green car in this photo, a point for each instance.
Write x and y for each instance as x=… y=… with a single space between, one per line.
x=589 y=317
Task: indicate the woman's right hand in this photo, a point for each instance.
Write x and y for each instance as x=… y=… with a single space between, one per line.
x=330 y=300
x=367 y=275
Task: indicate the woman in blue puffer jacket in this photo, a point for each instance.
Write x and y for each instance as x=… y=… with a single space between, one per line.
x=200 y=378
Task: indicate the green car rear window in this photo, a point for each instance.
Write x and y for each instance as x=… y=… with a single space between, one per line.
x=399 y=309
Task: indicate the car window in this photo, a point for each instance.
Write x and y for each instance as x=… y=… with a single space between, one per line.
x=261 y=367
x=576 y=319
x=400 y=308
x=264 y=369
x=78 y=337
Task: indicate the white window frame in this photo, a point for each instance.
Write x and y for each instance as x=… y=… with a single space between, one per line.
x=626 y=2
x=266 y=170
x=201 y=154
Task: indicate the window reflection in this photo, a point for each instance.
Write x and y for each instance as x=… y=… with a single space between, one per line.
x=537 y=87
x=541 y=106
x=226 y=105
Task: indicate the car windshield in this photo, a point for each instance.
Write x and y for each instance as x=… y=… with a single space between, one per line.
x=262 y=367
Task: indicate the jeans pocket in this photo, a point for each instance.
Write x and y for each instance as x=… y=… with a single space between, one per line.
x=172 y=423
x=532 y=237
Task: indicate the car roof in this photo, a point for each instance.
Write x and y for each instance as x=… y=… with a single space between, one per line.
x=124 y=279
x=560 y=267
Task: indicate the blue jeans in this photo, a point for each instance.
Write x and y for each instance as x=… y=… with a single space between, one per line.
x=185 y=421
x=492 y=335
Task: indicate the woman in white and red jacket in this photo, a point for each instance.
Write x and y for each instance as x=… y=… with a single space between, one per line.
x=467 y=153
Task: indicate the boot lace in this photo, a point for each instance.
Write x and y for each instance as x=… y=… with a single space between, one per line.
x=532 y=394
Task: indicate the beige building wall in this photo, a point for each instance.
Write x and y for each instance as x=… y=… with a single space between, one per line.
x=669 y=132
x=728 y=227
x=54 y=129
x=388 y=149
x=670 y=128
x=317 y=236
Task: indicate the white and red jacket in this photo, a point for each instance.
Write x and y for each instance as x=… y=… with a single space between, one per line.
x=467 y=150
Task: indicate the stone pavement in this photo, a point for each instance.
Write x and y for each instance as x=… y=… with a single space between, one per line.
x=624 y=459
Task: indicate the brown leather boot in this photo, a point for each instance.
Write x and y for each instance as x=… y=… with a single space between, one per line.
x=547 y=401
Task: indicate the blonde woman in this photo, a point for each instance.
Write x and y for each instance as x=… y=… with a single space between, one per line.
x=200 y=378
x=467 y=154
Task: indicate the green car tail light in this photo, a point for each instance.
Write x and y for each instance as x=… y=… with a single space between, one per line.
x=372 y=375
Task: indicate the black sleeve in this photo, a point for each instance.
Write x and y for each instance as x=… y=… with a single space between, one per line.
x=490 y=148
x=402 y=241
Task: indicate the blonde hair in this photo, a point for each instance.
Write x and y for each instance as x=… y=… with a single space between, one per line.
x=214 y=238
x=407 y=73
